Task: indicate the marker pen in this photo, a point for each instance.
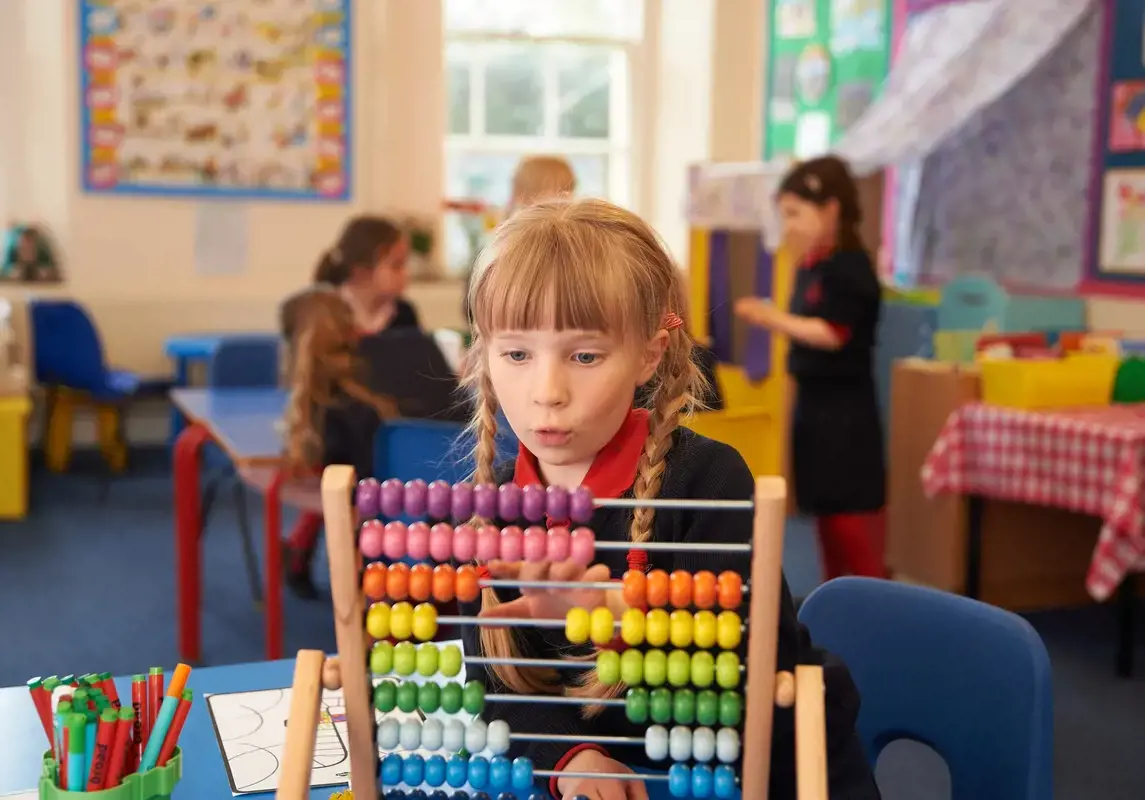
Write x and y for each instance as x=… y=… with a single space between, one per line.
x=77 y=724
x=118 y=762
x=139 y=706
x=100 y=760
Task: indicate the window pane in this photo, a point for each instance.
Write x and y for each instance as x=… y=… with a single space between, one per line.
x=514 y=91
x=584 y=77
x=606 y=19
x=458 y=59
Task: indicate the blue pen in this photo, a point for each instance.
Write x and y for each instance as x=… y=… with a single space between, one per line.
x=77 y=778
x=158 y=733
x=63 y=711
x=89 y=742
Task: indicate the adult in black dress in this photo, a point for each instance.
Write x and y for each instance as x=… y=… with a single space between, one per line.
x=836 y=434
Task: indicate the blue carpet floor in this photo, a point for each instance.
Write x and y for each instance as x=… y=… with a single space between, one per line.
x=88 y=585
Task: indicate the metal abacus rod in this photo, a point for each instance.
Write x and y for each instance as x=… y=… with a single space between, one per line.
x=536 y=663
x=676 y=547
x=665 y=503
x=605 y=586
x=514 y=622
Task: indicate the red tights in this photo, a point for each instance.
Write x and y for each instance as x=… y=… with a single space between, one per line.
x=852 y=544
x=302 y=541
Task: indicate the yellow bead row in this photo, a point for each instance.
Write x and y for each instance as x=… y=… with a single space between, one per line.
x=656 y=627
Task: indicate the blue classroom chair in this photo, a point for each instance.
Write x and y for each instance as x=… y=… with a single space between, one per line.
x=69 y=363
x=239 y=362
x=970 y=680
x=408 y=449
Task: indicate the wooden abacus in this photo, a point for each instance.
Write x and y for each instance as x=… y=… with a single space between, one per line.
x=349 y=550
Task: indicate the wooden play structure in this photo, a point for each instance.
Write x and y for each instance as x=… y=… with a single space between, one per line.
x=351 y=552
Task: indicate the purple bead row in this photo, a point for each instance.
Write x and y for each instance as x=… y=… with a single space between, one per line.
x=461 y=501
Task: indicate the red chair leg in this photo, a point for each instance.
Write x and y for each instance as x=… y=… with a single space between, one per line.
x=188 y=533
x=273 y=577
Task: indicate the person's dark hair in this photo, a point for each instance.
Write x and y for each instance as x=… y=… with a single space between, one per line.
x=821 y=180
x=363 y=241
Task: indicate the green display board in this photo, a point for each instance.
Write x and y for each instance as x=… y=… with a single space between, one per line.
x=827 y=60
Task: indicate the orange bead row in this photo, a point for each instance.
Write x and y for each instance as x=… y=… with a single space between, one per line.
x=420 y=582
x=682 y=589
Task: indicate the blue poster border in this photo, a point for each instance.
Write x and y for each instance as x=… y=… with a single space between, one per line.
x=207 y=191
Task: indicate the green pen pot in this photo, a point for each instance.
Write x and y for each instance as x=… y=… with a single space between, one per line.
x=156 y=784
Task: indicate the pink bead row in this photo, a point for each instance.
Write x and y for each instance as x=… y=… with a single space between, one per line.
x=444 y=542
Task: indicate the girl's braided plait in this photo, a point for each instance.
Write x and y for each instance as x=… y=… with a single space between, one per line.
x=679 y=386
x=499 y=642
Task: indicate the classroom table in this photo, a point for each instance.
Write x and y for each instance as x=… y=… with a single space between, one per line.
x=204 y=775
x=188 y=349
x=244 y=423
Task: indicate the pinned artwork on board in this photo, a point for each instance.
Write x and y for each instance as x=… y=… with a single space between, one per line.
x=857 y=26
x=851 y=101
x=796 y=19
x=28 y=256
x=1122 y=247
x=1127 y=117
x=813 y=74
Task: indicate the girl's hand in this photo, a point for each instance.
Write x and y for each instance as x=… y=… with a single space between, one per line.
x=549 y=603
x=599 y=788
x=756 y=311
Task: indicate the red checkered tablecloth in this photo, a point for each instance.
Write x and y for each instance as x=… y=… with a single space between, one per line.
x=1088 y=460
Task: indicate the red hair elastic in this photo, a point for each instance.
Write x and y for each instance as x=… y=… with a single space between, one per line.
x=672 y=321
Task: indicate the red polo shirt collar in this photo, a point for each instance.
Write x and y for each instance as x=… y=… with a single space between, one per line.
x=613 y=471
x=814 y=256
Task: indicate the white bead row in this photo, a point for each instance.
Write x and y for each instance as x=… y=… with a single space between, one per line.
x=450 y=736
x=682 y=743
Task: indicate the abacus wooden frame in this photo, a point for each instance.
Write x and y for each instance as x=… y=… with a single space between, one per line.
x=769 y=508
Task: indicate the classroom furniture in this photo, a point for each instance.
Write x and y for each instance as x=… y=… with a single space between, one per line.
x=431 y=450
x=14 y=411
x=1084 y=460
x=245 y=424
x=69 y=363
x=968 y=679
x=188 y=350
x=244 y=362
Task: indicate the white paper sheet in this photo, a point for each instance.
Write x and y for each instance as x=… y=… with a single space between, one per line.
x=221 y=238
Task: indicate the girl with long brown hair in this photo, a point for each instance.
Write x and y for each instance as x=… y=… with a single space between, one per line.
x=577 y=305
x=836 y=432
x=332 y=415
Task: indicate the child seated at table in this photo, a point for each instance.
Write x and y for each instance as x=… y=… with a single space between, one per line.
x=332 y=415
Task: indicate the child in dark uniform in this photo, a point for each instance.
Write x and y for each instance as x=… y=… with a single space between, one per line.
x=836 y=434
x=576 y=306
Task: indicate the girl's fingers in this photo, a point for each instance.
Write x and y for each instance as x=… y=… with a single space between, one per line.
x=636 y=790
x=514 y=608
x=566 y=571
x=598 y=572
x=503 y=570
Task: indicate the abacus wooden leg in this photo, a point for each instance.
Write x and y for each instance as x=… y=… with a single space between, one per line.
x=301 y=726
x=810 y=734
x=349 y=617
x=766 y=588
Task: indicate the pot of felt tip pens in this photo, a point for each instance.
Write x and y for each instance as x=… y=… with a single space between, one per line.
x=100 y=745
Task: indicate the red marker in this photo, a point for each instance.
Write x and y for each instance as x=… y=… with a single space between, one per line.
x=117 y=765
x=43 y=703
x=139 y=706
x=172 y=739
x=107 y=683
x=154 y=698
x=100 y=759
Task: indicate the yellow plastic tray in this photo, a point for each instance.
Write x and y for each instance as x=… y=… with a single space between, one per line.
x=1079 y=379
x=14 y=456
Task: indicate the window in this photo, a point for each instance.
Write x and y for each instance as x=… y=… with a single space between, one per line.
x=537 y=76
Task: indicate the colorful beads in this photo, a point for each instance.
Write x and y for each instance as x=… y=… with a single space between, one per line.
x=397 y=581
x=414 y=498
x=728 y=669
x=378 y=620
x=533 y=502
x=444 y=581
x=424 y=626
x=636 y=705
x=704 y=629
x=417 y=541
x=464 y=543
x=730 y=589
x=402 y=621
x=556 y=503
x=450 y=660
x=441 y=542
x=467 y=584
x=602 y=626
x=702 y=781
x=581 y=504
x=676 y=668
x=390 y=498
x=635 y=588
x=559 y=545
x=632 y=627
x=658 y=627
x=405 y=658
x=381 y=658
x=485 y=500
x=488 y=543
x=682 y=590
x=656 y=594
x=509 y=501
x=608 y=667
x=536 y=543
x=371 y=539
x=582 y=549
x=420 y=582
x=729 y=630
x=512 y=543
x=461 y=505
x=577 y=623
x=374 y=580
x=394 y=540
x=366 y=498
x=681 y=628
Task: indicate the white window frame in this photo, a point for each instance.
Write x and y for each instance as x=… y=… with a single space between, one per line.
x=630 y=102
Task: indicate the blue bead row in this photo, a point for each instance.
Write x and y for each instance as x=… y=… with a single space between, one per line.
x=702 y=781
x=496 y=774
x=418 y=794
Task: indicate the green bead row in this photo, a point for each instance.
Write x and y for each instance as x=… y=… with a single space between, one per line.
x=449 y=697
x=406 y=658
x=677 y=668
x=684 y=707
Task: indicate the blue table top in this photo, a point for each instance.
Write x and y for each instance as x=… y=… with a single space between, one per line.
x=201 y=345
x=245 y=422
x=204 y=775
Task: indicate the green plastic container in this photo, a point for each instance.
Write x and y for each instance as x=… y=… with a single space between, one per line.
x=157 y=784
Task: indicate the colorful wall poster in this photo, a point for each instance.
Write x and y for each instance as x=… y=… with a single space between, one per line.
x=1115 y=262
x=205 y=98
x=1122 y=237
x=830 y=70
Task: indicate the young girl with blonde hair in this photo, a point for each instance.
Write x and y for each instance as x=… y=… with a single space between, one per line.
x=577 y=306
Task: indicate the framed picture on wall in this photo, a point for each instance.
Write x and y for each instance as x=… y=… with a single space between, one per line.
x=1122 y=245
x=243 y=99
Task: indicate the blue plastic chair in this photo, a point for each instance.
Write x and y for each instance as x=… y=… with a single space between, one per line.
x=68 y=355
x=970 y=680
x=240 y=362
x=432 y=450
